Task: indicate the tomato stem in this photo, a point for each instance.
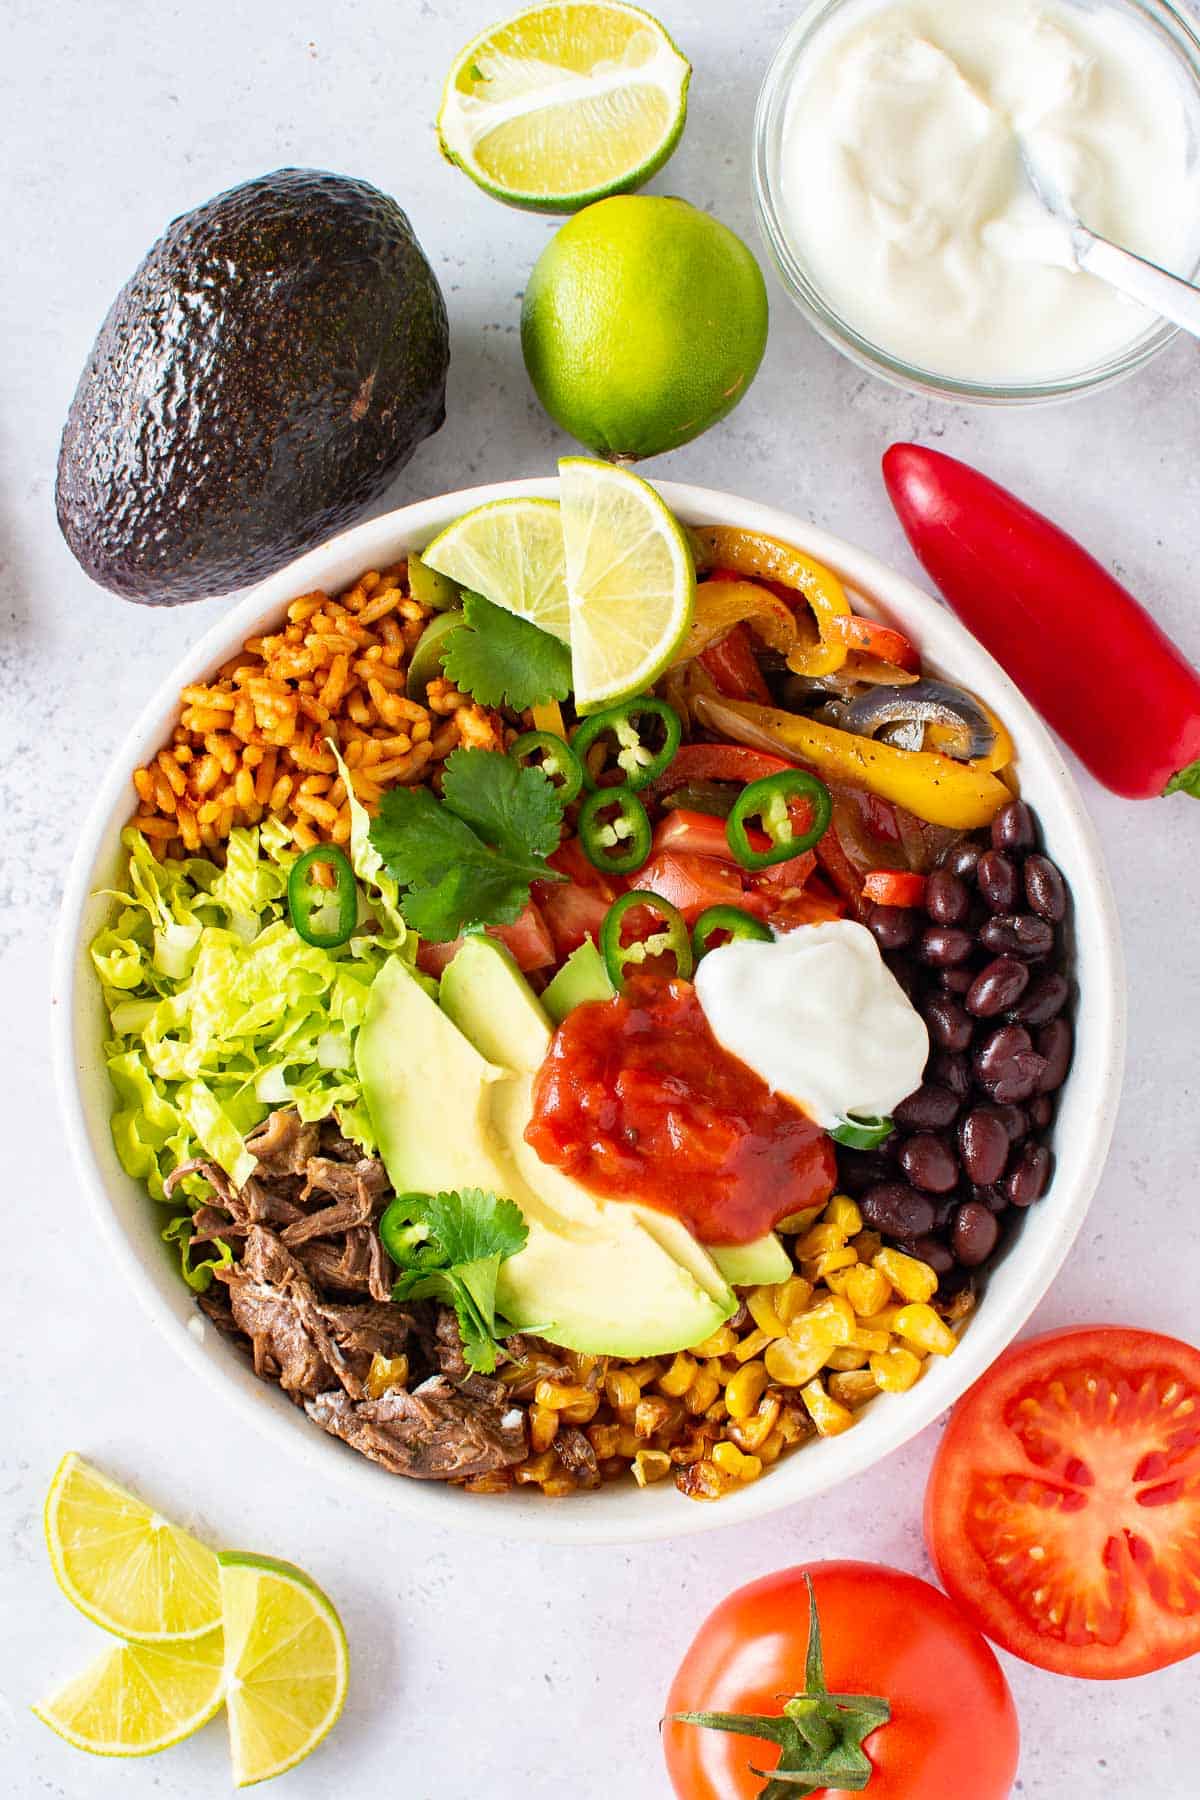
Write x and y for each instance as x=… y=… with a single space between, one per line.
x=820 y=1735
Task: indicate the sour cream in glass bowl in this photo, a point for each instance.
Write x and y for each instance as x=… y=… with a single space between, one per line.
x=890 y=190
x=130 y=1223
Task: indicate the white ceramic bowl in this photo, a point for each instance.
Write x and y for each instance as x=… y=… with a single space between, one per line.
x=131 y=1222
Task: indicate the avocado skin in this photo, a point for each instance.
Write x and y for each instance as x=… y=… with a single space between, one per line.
x=273 y=362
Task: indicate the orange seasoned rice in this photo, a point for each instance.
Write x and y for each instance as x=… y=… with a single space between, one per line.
x=254 y=740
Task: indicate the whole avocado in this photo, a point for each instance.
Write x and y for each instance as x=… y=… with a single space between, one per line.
x=277 y=357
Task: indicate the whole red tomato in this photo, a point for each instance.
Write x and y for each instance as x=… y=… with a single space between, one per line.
x=953 y=1727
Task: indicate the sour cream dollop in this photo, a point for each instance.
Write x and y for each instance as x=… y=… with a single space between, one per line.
x=819 y=1016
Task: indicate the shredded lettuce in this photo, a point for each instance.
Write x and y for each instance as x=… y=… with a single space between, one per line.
x=220 y=1012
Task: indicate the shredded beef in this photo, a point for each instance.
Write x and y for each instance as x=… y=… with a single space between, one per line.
x=309 y=1294
x=434 y=1433
x=576 y=1455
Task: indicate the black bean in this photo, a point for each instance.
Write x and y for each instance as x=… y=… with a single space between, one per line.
x=983 y=1143
x=1013 y=827
x=996 y=878
x=929 y=1163
x=1018 y=934
x=944 y=946
x=893 y=927
x=962 y=859
x=1043 y=1000
x=1045 y=889
x=950 y=1069
x=1007 y=1065
x=1015 y=1121
x=1026 y=1182
x=954 y=1281
x=906 y=975
x=974 y=1233
x=946 y=898
x=896 y=1209
x=949 y=1026
x=931 y=1250
x=994 y=1198
x=1054 y=1042
x=956 y=981
x=931 y=1108
x=997 y=987
x=860 y=1169
x=1041 y=1111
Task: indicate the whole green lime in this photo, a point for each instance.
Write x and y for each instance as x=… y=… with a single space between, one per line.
x=644 y=323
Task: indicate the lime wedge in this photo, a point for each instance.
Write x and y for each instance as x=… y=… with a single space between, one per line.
x=125 y=1567
x=631 y=583
x=286 y=1664
x=564 y=104
x=511 y=552
x=140 y=1698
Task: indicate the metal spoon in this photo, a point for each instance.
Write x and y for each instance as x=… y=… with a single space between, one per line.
x=1163 y=293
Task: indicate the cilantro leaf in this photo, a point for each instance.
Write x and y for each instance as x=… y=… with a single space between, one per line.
x=517 y=809
x=470 y=858
x=455 y=1246
x=501 y=660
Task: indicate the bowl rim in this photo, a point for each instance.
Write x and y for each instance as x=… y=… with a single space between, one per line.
x=1179 y=33
x=643 y=1517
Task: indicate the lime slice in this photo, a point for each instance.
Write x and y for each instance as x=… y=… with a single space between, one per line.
x=564 y=104
x=511 y=552
x=631 y=583
x=140 y=1698
x=125 y=1567
x=286 y=1664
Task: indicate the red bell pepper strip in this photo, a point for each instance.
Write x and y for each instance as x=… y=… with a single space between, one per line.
x=894 y=887
x=1081 y=648
x=883 y=642
x=715 y=762
x=734 y=667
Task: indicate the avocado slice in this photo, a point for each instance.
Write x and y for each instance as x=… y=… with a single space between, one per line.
x=760 y=1264
x=264 y=374
x=488 y=998
x=582 y=977
x=592 y=1276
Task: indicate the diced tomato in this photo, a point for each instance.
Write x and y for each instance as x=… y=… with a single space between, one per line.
x=734 y=667
x=814 y=904
x=691 y=882
x=715 y=762
x=894 y=887
x=569 y=859
x=696 y=832
x=572 y=913
x=874 y=639
x=527 y=938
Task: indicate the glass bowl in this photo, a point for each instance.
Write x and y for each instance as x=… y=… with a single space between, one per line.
x=1171 y=29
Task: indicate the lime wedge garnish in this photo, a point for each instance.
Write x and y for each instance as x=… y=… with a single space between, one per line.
x=140 y=1698
x=122 y=1564
x=564 y=104
x=511 y=552
x=631 y=584
x=286 y=1664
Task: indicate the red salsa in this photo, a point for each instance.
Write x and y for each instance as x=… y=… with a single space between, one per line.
x=638 y=1101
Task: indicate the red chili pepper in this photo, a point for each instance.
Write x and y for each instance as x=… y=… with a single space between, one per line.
x=894 y=887
x=1088 y=656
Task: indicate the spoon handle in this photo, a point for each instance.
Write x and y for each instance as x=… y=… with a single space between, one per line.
x=1169 y=295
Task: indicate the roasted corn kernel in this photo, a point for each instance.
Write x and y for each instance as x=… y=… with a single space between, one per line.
x=920 y=1325
x=895 y=1370
x=829 y=1417
x=843 y=1212
x=912 y=1279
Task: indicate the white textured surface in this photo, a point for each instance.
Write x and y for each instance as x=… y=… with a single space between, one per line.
x=479 y=1668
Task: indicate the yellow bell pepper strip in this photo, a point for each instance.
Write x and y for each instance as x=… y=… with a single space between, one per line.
x=751 y=553
x=548 y=717
x=720 y=605
x=935 y=788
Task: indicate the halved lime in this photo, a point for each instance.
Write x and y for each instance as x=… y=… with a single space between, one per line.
x=511 y=552
x=124 y=1565
x=631 y=583
x=564 y=104
x=140 y=1698
x=286 y=1664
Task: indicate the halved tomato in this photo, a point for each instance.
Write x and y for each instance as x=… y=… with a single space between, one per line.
x=1063 y=1507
